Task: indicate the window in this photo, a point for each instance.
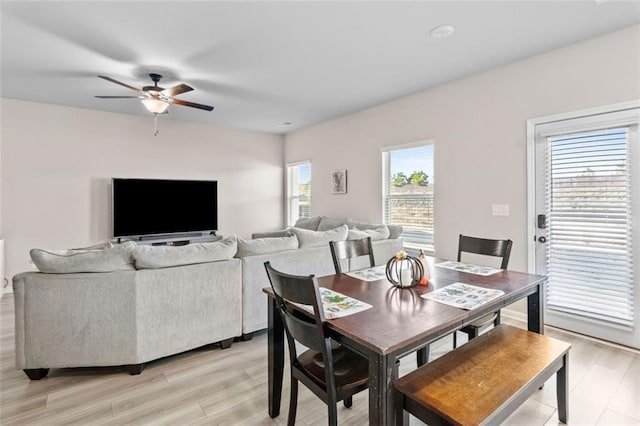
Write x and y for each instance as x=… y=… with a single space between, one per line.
x=407 y=193
x=298 y=191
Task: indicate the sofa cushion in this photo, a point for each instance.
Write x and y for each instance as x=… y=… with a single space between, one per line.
x=154 y=257
x=266 y=245
x=327 y=223
x=116 y=258
x=376 y=234
x=272 y=234
x=310 y=223
x=307 y=238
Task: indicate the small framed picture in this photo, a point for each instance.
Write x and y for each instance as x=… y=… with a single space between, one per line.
x=339 y=182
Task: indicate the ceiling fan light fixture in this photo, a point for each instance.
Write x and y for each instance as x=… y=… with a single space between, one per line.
x=155 y=106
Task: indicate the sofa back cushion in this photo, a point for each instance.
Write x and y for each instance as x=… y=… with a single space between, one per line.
x=307 y=238
x=376 y=234
x=154 y=257
x=266 y=245
x=272 y=234
x=310 y=223
x=111 y=258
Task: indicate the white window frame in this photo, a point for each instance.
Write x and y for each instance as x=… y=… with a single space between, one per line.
x=291 y=190
x=411 y=246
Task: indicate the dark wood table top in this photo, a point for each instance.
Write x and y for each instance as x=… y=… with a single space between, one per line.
x=399 y=317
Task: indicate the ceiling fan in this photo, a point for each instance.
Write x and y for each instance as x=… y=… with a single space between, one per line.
x=155 y=98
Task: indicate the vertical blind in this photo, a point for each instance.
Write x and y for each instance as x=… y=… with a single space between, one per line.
x=589 y=251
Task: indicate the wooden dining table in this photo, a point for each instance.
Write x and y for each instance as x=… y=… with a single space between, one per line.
x=399 y=323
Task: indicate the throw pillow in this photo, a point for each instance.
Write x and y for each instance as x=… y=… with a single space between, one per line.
x=394 y=231
x=327 y=223
x=272 y=234
x=266 y=245
x=379 y=233
x=310 y=223
x=116 y=258
x=308 y=238
x=155 y=257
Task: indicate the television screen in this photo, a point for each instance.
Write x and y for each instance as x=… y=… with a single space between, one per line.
x=156 y=206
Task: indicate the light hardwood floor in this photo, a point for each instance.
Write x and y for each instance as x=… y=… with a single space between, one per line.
x=211 y=386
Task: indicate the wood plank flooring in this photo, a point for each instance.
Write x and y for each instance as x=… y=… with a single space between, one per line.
x=210 y=386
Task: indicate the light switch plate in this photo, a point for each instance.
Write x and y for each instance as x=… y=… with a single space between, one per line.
x=500 y=209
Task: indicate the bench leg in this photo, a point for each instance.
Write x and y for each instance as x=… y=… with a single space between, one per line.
x=562 y=384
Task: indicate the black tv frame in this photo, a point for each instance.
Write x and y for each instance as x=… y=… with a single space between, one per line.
x=165 y=233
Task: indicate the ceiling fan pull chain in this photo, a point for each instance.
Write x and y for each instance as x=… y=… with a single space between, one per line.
x=155 y=124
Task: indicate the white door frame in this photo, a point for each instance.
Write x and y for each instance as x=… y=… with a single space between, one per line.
x=531 y=166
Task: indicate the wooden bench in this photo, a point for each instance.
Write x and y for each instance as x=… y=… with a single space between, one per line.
x=485 y=380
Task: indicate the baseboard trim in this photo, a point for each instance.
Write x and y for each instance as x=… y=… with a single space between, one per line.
x=522 y=317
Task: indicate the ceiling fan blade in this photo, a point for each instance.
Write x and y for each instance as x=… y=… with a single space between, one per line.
x=191 y=104
x=118 y=97
x=176 y=90
x=119 y=82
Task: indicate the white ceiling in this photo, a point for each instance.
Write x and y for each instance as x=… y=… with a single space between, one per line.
x=264 y=63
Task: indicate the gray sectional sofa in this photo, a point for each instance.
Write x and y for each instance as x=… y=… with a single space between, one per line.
x=130 y=304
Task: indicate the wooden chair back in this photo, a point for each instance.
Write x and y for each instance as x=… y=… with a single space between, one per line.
x=486 y=247
x=301 y=290
x=350 y=249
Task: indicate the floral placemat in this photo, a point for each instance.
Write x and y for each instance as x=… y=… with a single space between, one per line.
x=369 y=274
x=468 y=267
x=463 y=296
x=337 y=305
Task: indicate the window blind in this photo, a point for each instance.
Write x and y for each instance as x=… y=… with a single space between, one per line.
x=589 y=251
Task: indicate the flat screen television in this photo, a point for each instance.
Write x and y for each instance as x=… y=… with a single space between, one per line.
x=146 y=207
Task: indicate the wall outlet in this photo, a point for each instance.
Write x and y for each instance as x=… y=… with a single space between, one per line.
x=500 y=209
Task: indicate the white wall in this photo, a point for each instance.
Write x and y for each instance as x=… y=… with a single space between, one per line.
x=57 y=163
x=479 y=128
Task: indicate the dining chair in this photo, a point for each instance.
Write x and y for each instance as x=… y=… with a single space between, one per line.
x=350 y=249
x=485 y=247
x=331 y=371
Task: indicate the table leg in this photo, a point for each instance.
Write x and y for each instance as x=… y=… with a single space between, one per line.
x=383 y=372
x=275 y=349
x=535 y=313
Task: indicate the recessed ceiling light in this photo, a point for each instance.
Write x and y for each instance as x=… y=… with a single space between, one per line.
x=287 y=123
x=442 y=31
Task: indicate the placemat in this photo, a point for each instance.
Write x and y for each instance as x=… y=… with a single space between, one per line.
x=468 y=267
x=463 y=296
x=337 y=305
x=369 y=274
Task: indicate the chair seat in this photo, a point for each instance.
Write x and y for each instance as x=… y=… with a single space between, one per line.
x=351 y=370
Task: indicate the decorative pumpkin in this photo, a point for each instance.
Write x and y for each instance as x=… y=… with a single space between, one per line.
x=404 y=271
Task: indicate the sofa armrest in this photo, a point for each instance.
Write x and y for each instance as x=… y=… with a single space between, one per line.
x=84 y=319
